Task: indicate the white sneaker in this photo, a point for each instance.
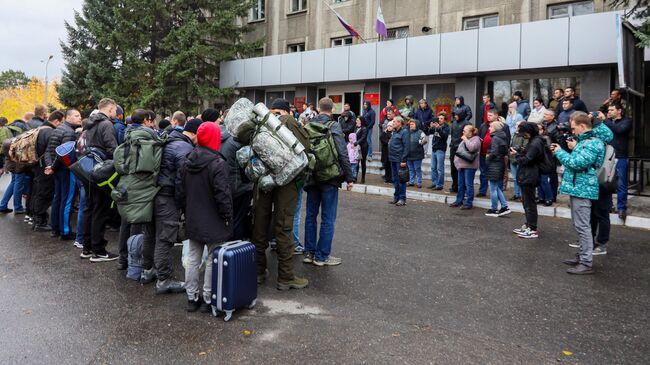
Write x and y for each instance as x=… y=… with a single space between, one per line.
x=529 y=233
x=520 y=230
x=574 y=244
x=78 y=244
x=599 y=251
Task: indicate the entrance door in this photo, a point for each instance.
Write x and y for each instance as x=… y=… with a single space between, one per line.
x=354 y=99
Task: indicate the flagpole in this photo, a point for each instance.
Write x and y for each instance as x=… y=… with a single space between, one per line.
x=339 y=16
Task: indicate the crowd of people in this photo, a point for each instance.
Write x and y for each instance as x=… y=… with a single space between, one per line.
x=199 y=188
x=529 y=144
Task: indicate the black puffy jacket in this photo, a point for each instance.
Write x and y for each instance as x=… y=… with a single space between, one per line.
x=528 y=161
x=208 y=212
x=239 y=183
x=42 y=141
x=100 y=134
x=457 y=133
x=495 y=158
x=174 y=156
x=62 y=134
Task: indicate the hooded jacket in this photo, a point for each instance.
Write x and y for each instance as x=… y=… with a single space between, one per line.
x=425 y=117
x=369 y=115
x=463 y=111
x=208 y=200
x=341 y=149
x=580 y=166
x=62 y=134
x=100 y=134
x=495 y=158
x=174 y=157
x=239 y=183
x=120 y=129
x=528 y=161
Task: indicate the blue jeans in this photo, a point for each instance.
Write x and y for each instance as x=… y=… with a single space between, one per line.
x=80 y=213
x=296 y=220
x=415 y=171
x=355 y=169
x=65 y=184
x=513 y=171
x=544 y=190
x=496 y=194
x=438 y=168
x=482 y=188
x=370 y=142
x=324 y=197
x=466 y=185
x=400 y=187
x=621 y=191
x=15 y=190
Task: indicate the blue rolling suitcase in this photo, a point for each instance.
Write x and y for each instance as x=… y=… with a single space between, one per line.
x=234 y=277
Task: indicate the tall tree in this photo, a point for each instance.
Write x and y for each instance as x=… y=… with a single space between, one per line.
x=12 y=78
x=638 y=11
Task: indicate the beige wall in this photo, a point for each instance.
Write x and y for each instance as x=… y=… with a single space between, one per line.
x=318 y=25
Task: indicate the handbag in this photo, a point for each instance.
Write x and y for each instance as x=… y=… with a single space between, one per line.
x=464 y=153
x=403 y=175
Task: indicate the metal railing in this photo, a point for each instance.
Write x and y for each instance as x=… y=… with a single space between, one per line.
x=639 y=175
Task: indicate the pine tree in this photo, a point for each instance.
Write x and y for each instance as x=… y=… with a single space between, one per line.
x=638 y=10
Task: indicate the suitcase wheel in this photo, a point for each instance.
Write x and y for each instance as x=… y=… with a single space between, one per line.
x=228 y=316
x=252 y=305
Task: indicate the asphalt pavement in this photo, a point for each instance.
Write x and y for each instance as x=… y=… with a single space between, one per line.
x=420 y=284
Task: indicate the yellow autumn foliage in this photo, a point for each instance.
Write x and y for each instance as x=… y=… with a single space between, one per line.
x=14 y=102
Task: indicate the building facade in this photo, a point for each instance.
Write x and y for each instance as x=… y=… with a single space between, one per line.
x=436 y=50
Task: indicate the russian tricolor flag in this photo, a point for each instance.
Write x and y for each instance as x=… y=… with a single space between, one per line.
x=347 y=26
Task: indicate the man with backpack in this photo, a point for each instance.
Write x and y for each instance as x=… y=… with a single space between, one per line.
x=64 y=181
x=43 y=181
x=100 y=136
x=40 y=114
x=332 y=168
x=278 y=206
x=580 y=182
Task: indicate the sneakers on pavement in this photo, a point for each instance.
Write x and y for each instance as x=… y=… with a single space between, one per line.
x=580 y=269
x=148 y=276
x=170 y=286
x=42 y=228
x=504 y=211
x=600 y=250
x=78 y=244
x=104 y=257
x=520 y=230
x=528 y=234
x=6 y=211
x=85 y=254
x=330 y=261
x=298 y=250
x=492 y=213
x=574 y=244
x=309 y=258
x=296 y=283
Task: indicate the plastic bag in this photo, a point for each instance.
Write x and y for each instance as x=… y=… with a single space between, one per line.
x=244 y=155
x=185 y=254
x=255 y=169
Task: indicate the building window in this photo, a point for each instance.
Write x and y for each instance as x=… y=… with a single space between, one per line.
x=397 y=33
x=292 y=48
x=485 y=21
x=342 y=41
x=257 y=11
x=339 y=1
x=298 y=5
x=570 y=9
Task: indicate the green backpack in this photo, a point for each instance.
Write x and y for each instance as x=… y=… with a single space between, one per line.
x=137 y=161
x=323 y=148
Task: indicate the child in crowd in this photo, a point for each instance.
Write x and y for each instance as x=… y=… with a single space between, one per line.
x=353 y=154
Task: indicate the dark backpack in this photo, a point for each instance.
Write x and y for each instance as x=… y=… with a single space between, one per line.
x=323 y=147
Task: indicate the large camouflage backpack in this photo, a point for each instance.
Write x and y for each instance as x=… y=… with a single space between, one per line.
x=23 y=148
x=137 y=161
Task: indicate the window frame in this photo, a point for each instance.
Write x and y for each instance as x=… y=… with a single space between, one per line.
x=569 y=6
x=481 y=21
x=395 y=30
x=343 y=41
x=260 y=15
x=303 y=5
x=298 y=45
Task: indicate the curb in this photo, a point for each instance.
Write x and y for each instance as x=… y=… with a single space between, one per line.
x=557 y=212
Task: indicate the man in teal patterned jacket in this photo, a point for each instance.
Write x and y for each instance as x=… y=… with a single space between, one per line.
x=580 y=182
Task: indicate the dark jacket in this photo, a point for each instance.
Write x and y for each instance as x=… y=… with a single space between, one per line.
x=120 y=129
x=341 y=149
x=208 y=201
x=174 y=157
x=481 y=116
x=565 y=116
x=463 y=111
x=398 y=146
x=5 y=162
x=578 y=105
x=415 y=149
x=239 y=183
x=35 y=123
x=528 y=161
x=457 y=133
x=496 y=154
x=369 y=115
x=348 y=125
x=425 y=117
x=523 y=108
x=621 y=129
x=101 y=134
x=62 y=134
x=42 y=141
x=362 y=136
x=440 y=136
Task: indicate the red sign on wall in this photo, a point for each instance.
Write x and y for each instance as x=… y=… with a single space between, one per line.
x=372 y=98
x=298 y=102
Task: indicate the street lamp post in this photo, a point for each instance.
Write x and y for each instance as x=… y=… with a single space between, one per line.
x=46 y=64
